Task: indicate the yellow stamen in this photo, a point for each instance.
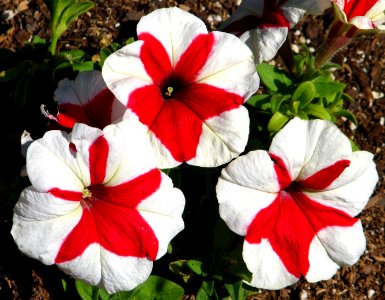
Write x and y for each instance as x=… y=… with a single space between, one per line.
x=86 y=193
x=169 y=91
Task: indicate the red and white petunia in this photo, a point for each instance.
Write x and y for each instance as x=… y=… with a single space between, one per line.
x=86 y=100
x=296 y=203
x=187 y=86
x=368 y=14
x=97 y=206
x=264 y=24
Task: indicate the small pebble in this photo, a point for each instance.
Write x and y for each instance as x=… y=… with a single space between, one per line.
x=303 y=295
x=371 y=293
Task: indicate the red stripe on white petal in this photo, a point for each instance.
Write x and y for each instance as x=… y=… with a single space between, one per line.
x=146 y=102
x=290 y=224
x=110 y=218
x=155 y=59
x=130 y=193
x=66 y=195
x=98 y=153
x=194 y=58
x=325 y=177
x=281 y=171
x=177 y=122
x=356 y=8
x=96 y=112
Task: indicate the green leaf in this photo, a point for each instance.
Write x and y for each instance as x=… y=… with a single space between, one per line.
x=235 y=290
x=258 y=100
x=73 y=56
x=195 y=266
x=163 y=289
x=347 y=114
x=63 y=12
x=129 y=41
x=89 y=292
x=202 y=294
x=274 y=79
x=277 y=121
x=354 y=146
x=325 y=89
x=317 y=111
x=37 y=40
x=64 y=285
x=276 y=101
x=83 y=66
x=304 y=93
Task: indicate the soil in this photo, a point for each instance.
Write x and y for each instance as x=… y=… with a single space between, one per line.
x=363 y=70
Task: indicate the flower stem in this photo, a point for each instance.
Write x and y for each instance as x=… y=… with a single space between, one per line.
x=340 y=35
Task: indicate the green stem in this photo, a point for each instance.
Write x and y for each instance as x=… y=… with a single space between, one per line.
x=339 y=36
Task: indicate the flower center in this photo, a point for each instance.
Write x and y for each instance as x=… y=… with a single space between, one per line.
x=168 y=92
x=171 y=87
x=87 y=199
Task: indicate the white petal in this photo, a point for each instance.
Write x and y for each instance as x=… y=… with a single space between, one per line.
x=81 y=90
x=98 y=266
x=344 y=245
x=290 y=144
x=352 y=190
x=362 y=22
x=86 y=266
x=293 y=15
x=40 y=206
x=124 y=72
x=322 y=267
x=238 y=191
x=50 y=164
x=164 y=158
x=268 y=270
x=255 y=170
x=224 y=70
x=311 y=6
x=41 y=239
x=123 y=273
x=174 y=28
x=265 y=42
x=223 y=138
x=163 y=212
x=326 y=144
x=130 y=153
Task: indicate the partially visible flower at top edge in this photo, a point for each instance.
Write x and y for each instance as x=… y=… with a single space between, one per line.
x=364 y=15
x=187 y=86
x=264 y=24
x=352 y=18
x=295 y=204
x=86 y=100
x=98 y=207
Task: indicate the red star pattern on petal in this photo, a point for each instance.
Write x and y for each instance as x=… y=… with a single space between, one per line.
x=293 y=219
x=110 y=216
x=176 y=118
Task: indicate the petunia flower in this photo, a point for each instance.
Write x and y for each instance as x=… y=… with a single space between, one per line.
x=352 y=17
x=264 y=24
x=368 y=14
x=97 y=207
x=296 y=204
x=86 y=100
x=187 y=86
